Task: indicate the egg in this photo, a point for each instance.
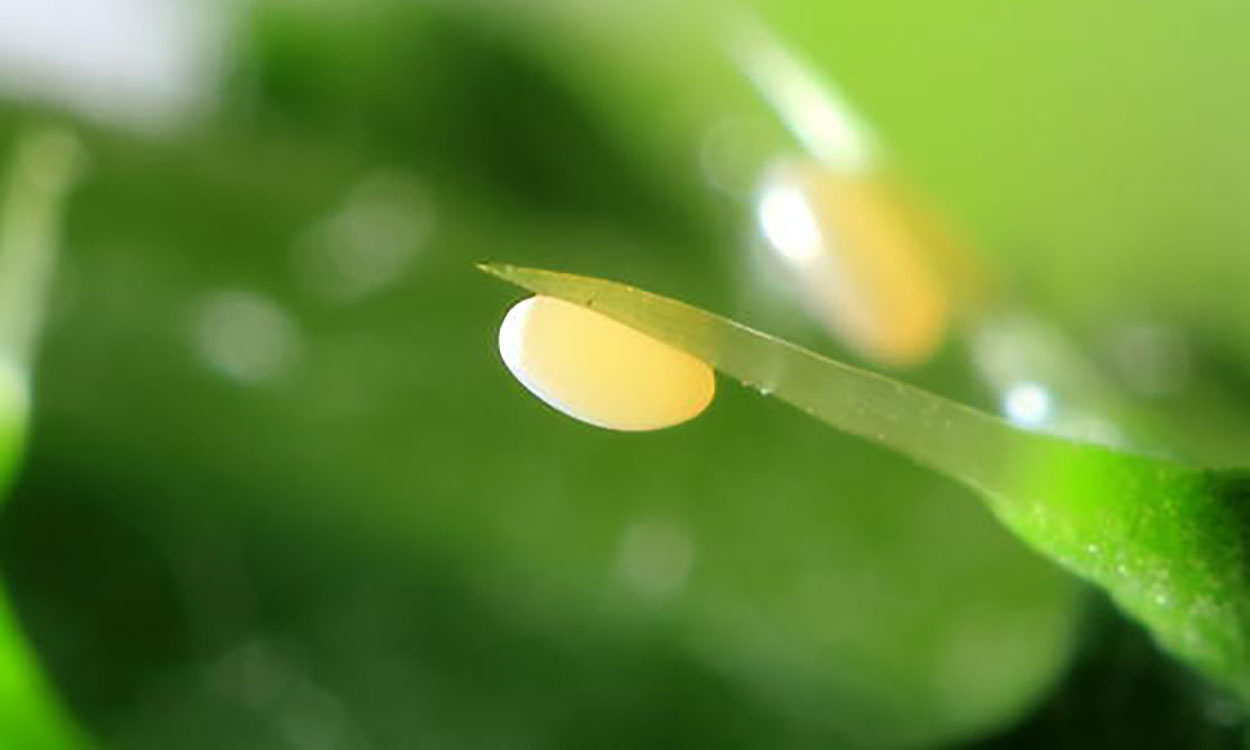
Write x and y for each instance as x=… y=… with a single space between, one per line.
x=602 y=372
x=862 y=258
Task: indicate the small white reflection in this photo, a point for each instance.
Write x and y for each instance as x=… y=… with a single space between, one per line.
x=811 y=107
x=369 y=241
x=655 y=557
x=789 y=224
x=1027 y=404
x=245 y=336
x=1017 y=353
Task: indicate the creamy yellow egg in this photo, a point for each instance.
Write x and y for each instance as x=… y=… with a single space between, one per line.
x=863 y=257
x=599 y=371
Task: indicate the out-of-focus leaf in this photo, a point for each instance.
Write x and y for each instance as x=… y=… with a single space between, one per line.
x=38 y=179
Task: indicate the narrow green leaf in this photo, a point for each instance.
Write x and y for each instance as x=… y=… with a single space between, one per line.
x=1165 y=540
x=40 y=176
x=43 y=169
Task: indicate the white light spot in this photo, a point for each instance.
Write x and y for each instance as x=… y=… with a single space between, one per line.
x=1027 y=404
x=245 y=336
x=789 y=224
x=141 y=62
x=367 y=243
x=655 y=557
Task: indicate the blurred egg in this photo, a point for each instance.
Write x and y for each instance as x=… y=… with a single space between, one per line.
x=860 y=255
x=599 y=371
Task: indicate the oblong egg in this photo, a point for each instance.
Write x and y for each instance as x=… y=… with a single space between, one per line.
x=863 y=260
x=600 y=371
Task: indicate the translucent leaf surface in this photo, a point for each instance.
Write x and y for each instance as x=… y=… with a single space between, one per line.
x=1165 y=540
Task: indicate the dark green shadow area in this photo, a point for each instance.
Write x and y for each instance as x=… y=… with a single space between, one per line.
x=291 y=637
x=1122 y=692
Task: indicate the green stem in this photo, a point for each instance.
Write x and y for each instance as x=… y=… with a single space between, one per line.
x=949 y=437
x=39 y=180
x=43 y=170
x=1167 y=541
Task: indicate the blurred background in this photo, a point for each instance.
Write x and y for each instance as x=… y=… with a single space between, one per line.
x=280 y=492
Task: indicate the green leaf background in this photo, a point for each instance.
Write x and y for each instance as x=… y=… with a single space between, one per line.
x=386 y=543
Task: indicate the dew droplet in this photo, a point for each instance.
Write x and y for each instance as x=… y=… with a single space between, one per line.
x=1027 y=404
